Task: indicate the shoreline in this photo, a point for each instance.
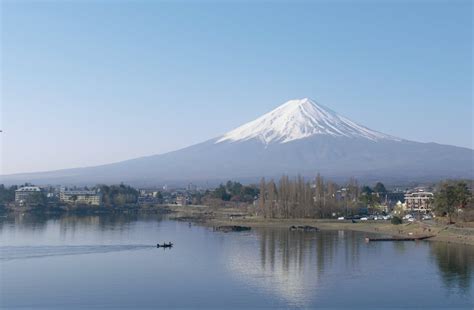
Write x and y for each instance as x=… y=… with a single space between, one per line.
x=212 y=217
x=218 y=216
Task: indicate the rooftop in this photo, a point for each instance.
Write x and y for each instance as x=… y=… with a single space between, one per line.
x=78 y=192
x=29 y=189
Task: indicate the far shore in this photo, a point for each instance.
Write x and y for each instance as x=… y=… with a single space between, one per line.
x=223 y=217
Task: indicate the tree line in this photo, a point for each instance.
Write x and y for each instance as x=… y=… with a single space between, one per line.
x=286 y=198
x=117 y=195
x=319 y=198
x=300 y=198
x=234 y=191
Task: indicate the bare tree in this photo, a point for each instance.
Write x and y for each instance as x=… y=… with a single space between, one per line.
x=261 y=198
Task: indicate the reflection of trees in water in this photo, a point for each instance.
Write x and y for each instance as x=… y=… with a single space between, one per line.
x=286 y=247
x=294 y=264
x=30 y=221
x=455 y=263
x=104 y=222
x=71 y=222
x=400 y=247
x=351 y=248
x=293 y=250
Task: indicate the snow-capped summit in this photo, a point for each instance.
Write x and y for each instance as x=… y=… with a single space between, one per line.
x=298 y=119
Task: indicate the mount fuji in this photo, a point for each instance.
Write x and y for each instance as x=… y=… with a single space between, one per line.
x=299 y=137
x=299 y=119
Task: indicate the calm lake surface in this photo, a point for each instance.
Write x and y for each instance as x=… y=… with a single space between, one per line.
x=111 y=261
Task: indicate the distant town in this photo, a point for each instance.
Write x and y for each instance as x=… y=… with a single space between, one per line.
x=286 y=198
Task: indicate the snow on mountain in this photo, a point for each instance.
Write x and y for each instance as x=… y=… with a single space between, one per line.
x=298 y=119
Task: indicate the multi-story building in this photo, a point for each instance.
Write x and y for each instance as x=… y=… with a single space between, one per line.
x=22 y=194
x=418 y=201
x=80 y=197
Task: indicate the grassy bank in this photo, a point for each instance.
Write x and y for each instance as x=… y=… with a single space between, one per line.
x=228 y=216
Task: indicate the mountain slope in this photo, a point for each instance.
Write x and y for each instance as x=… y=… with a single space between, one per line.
x=298 y=137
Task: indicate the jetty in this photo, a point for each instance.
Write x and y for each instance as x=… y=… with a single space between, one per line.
x=303 y=228
x=367 y=239
x=165 y=245
x=231 y=228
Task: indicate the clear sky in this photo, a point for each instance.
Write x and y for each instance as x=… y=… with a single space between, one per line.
x=92 y=82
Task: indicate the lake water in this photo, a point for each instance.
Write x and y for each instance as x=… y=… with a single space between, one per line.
x=111 y=261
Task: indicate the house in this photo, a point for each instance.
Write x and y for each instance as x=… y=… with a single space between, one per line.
x=149 y=197
x=80 y=197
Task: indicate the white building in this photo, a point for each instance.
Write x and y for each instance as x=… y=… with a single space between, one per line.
x=22 y=194
x=80 y=197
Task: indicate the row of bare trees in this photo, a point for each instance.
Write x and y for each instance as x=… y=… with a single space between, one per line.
x=300 y=198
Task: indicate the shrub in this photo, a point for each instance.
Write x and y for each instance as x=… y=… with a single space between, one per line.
x=396 y=220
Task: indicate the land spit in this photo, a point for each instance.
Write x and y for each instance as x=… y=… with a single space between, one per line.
x=214 y=217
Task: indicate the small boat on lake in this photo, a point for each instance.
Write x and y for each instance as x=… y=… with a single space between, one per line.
x=164 y=245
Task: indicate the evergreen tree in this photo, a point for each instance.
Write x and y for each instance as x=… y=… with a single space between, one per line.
x=445 y=200
x=450 y=196
x=380 y=188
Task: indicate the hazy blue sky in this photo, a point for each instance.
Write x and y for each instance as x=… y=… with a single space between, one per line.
x=87 y=82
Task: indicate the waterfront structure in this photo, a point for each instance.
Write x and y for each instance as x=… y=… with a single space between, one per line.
x=22 y=194
x=80 y=197
x=418 y=201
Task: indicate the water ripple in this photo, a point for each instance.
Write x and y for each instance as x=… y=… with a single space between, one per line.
x=22 y=252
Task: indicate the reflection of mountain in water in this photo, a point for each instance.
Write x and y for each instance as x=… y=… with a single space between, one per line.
x=293 y=265
x=455 y=263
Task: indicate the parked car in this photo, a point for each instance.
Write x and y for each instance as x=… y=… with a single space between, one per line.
x=340 y=218
x=427 y=217
x=363 y=219
x=411 y=219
